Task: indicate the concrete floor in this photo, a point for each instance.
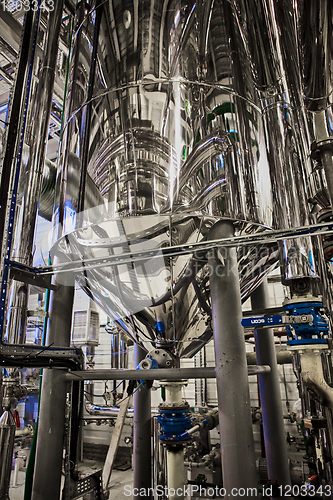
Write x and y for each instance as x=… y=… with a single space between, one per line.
x=119 y=480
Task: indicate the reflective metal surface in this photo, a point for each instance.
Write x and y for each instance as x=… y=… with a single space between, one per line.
x=173 y=290
x=7 y=437
x=276 y=72
x=173 y=147
x=190 y=117
x=32 y=176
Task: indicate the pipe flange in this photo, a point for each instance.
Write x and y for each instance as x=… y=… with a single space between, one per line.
x=318 y=147
x=173 y=406
x=325 y=215
x=163 y=357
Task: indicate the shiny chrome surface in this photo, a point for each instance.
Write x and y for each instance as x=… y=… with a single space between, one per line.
x=32 y=176
x=167 y=120
x=7 y=437
x=315 y=19
x=174 y=145
x=174 y=290
x=278 y=78
x=191 y=117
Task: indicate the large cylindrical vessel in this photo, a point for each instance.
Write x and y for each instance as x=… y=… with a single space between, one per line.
x=179 y=116
x=170 y=133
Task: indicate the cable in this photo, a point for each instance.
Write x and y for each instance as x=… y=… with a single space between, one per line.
x=102 y=395
x=132 y=394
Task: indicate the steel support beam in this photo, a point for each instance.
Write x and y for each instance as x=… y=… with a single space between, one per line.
x=237 y=447
x=142 y=432
x=270 y=397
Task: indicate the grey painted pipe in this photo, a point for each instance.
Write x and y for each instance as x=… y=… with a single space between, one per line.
x=270 y=396
x=158 y=374
x=282 y=357
x=49 y=451
x=237 y=446
x=142 y=473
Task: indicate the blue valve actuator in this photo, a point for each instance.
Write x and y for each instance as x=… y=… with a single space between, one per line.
x=160 y=327
x=262 y=321
x=306 y=318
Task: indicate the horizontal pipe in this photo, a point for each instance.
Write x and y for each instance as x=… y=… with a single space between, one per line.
x=199 y=464
x=158 y=374
x=282 y=357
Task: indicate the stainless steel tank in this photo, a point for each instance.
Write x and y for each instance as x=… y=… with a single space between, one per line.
x=164 y=118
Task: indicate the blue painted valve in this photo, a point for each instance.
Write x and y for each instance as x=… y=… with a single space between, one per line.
x=174 y=423
x=305 y=322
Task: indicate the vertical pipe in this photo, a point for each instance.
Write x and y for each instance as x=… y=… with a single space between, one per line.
x=16 y=114
x=175 y=451
x=175 y=472
x=7 y=437
x=142 y=432
x=28 y=49
x=49 y=452
x=157 y=463
x=238 y=460
x=35 y=167
x=270 y=396
x=87 y=131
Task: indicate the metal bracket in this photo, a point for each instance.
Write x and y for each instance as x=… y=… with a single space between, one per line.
x=29 y=352
x=30 y=276
x=37 y=313
x=86 y=484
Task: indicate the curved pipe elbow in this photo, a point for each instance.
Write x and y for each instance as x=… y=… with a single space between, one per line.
x=105 y=411
x=313 y=377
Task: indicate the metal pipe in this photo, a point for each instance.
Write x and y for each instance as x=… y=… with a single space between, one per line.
x=175 y=471
x=106 y=411
x=158 y=374
x=313 y=377
x=175 y=449
x=287 y=160
x=88 y=112
x=158 y=462
x=47 y=476
x=282 y=358
x=142 y=433
x=238 y=459
x=270 y=397
x=34 y=173
x=16 y=114
x=7 y=437
x=26 y=79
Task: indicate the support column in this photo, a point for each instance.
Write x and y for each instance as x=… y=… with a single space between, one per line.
x=237 y=447
x=142 y=432
x=270 y=396
x=51 y=425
